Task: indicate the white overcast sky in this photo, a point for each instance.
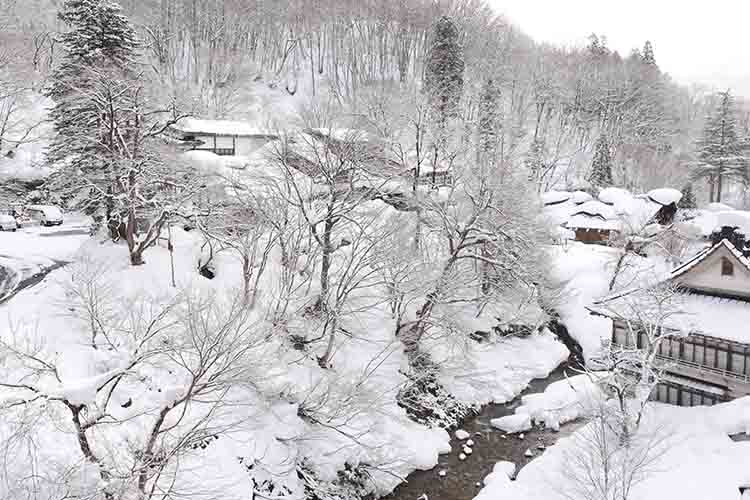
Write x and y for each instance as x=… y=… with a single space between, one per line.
x=701 y=41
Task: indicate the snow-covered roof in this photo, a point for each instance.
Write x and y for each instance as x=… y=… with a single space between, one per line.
x=583 y=221
x=612 y=195
x=191 y=125
x=703 y=313
x=555 y=197
x=665 y=196
x=594 y=208
x=718 y=317
x=701 y=256
x=579 y=197
x=709 y=221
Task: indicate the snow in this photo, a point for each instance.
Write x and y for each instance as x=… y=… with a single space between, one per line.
x=191 y=125
x=613 y=195
x=497 y=371
x=665 y=196
x=561 y=402
x=275 y=434
x=699 y=461
x=585 y=271
x=513 y=423
x=461 y=435
x=704 y=314
x=555 y=197
x=718 y=207
x=579 y=197
x=594 y=207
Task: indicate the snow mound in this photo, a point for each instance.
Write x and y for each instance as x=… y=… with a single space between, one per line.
x=718 y=207
x=665 y=196
x=513 y=423
x=502 y=471
x=555 y=197
x=612 y=195
x=561 y=402
x=205 y=161
x=579 y=197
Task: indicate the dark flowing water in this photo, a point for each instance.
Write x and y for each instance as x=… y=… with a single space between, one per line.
x=491 y=445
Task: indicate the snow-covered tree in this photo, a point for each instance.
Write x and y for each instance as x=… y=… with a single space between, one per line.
x=688 y=198
x=488 y=123
x=444 y=82
x=648 y=54
x=100 y=40
x=721 y=153
x=601 y=166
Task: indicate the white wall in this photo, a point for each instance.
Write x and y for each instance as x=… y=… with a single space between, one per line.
x=707 y=276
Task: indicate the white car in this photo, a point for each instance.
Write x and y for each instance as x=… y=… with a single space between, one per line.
x=46 y=215
x=8 y=223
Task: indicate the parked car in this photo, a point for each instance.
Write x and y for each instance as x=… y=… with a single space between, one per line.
x=8 y=223
x=46 y=215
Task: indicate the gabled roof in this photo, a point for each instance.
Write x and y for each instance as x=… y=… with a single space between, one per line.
x=701 y=256
x=707 y=314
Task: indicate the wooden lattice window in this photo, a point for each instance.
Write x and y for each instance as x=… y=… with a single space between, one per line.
x=727 y=268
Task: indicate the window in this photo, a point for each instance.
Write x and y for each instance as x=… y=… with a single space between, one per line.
x=727 y=268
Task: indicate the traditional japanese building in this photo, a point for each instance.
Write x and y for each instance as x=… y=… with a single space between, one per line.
x=711 y=363
x=221 y=137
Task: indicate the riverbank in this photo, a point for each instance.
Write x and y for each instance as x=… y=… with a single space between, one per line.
x=462 y=479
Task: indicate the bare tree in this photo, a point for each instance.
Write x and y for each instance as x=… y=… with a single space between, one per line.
x=634 y=366
x=205 y=346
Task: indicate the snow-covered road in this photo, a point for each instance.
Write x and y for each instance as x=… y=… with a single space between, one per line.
x=30 y=253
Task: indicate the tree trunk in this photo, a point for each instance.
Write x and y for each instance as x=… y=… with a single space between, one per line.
x=719 y=179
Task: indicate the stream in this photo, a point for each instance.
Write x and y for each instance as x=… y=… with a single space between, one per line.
x=491 y=445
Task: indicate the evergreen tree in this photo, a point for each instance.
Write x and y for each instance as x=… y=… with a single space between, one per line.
x=721 y=153
x=601 y=166
x=648 y=54
x=488 y=123
x=444 y=70
x=101 y=40
x=444 y=81
x=688 y=198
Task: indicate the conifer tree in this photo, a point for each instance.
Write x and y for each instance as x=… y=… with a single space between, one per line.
x=444 y=81
x=648 y=54
x=601 y=166
x=444 y=70
x=688 y=198
x=488 y=123
x=721 y=153
x=100 y=39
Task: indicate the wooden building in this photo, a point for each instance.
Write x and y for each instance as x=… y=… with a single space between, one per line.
x=712 y=363
x=594 y=222
x=221 y=137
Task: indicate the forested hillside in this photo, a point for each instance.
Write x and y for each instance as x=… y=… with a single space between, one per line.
x=294 y=249
x=556 y=107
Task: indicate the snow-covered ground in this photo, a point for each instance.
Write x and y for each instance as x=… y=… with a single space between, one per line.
x=585 y=271
x=694 y=458
x=32 y=249
x=327 y=419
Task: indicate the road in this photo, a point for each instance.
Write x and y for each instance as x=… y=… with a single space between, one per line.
x=31 y=253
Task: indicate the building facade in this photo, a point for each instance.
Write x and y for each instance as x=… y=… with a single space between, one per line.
x=711 y=363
